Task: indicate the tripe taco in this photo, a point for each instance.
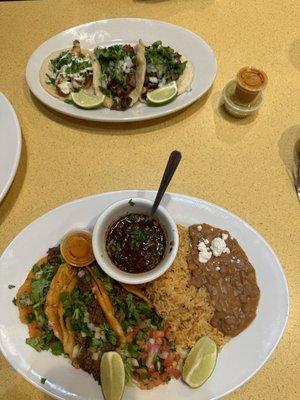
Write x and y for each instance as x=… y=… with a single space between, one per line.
x=121 y=72
x=164 y=65
x=67 y=71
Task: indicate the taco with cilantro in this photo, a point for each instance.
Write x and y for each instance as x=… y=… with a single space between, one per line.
x=121 y=73
x=67 y=71
x=164 y=65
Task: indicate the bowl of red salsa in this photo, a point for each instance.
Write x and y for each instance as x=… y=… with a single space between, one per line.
x=130 y=246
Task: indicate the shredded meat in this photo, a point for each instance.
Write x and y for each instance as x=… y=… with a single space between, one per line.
x=96 y=314
x=54 y=255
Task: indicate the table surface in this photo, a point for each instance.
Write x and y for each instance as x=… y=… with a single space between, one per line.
x=242 y=165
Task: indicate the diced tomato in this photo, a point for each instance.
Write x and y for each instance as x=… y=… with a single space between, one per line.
x=157 y=334
x=165 y=347
x=174 y=372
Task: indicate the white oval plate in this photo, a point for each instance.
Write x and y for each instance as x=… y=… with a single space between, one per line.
x=240 y=359
x=127 y=30
x=10 y=145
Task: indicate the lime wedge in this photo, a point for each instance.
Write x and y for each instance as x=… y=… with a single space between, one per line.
x=200 y=362
x=87 y=101
x=162 y=95
x=112 y=375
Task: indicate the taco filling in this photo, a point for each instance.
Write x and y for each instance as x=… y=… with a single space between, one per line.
x=164 y=65
x=120 y=65
x=70 y=71
x=83 y=313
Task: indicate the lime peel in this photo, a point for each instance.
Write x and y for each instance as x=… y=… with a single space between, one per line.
x=162 y=95
x=87 y=101
x=112 y=373
x=200 y=362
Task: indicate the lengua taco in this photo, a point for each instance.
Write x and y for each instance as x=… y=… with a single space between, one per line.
x=164 y=65
x=67 y=71
x=121 y=72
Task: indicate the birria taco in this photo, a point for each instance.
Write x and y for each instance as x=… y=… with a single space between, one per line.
x=164 y=65
x=80 y=312
x=121 y=72
x=67 y=71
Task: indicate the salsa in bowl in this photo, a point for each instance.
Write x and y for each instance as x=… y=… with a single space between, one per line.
x=130 y=246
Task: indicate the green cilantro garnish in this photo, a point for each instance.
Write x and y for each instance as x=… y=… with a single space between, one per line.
x=131 y=203
x=43 y=380
x=14 y=300
x=11 y=286
x=57 y=348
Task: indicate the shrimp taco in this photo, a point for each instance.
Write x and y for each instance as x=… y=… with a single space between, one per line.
x=121 y=72
x=164 y=65
x=67 y=71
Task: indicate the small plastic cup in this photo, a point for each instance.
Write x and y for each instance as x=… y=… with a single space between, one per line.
x=250 y=82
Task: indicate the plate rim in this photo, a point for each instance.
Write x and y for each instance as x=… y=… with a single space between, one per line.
x=179 y=196
x=129 y=119
x=17 y=157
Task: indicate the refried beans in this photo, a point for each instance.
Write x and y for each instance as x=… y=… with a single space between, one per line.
x=228 y=277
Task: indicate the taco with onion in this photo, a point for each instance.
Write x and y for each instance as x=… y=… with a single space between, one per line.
x=83 y=313
x=67 y=71
x=121 y=72
x=164 y=65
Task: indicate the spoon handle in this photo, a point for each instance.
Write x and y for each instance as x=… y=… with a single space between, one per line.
x=170 y=169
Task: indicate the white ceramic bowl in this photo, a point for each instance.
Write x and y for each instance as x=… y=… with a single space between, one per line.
x=118 y=210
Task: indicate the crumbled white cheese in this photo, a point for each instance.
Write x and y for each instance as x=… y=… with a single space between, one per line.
x=199 y=227
x=224 y=236
x=65 y=87
x=204 y=253
x=218 y=268
x=218 y=246
x=83 y=334
x=206 y=241
x=238 y=261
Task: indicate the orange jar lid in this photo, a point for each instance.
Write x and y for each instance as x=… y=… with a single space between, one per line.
x=76 y=248
x=252 y=79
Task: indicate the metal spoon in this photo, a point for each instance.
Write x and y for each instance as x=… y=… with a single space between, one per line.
x=170 y=169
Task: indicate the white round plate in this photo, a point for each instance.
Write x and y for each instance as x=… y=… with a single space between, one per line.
x=239 y=360
x=10 y=145
x=127 y=30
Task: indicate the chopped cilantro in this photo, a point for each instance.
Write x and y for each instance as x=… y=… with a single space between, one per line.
x=14 y=300
x=11 y=286
x=30 y=317
x=38 y=343
x=76 y=42
x=131 y=203
x=110 y=335
x=96 y=343
x=43 y=380
x=69 y=101
x=57 y=348
x=51 y=81
x=133 y=350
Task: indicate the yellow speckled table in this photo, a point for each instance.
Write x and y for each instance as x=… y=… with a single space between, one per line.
x=244 y=166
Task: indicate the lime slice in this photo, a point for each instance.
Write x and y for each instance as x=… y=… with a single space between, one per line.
x=200 y=362
x=162 y=95
x=87 y=101
x=112 y=375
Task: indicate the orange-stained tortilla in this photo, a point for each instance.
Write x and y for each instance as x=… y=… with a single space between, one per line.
x=136 y=291
x=106 y=305
x=33 y=328
x=64 y=277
